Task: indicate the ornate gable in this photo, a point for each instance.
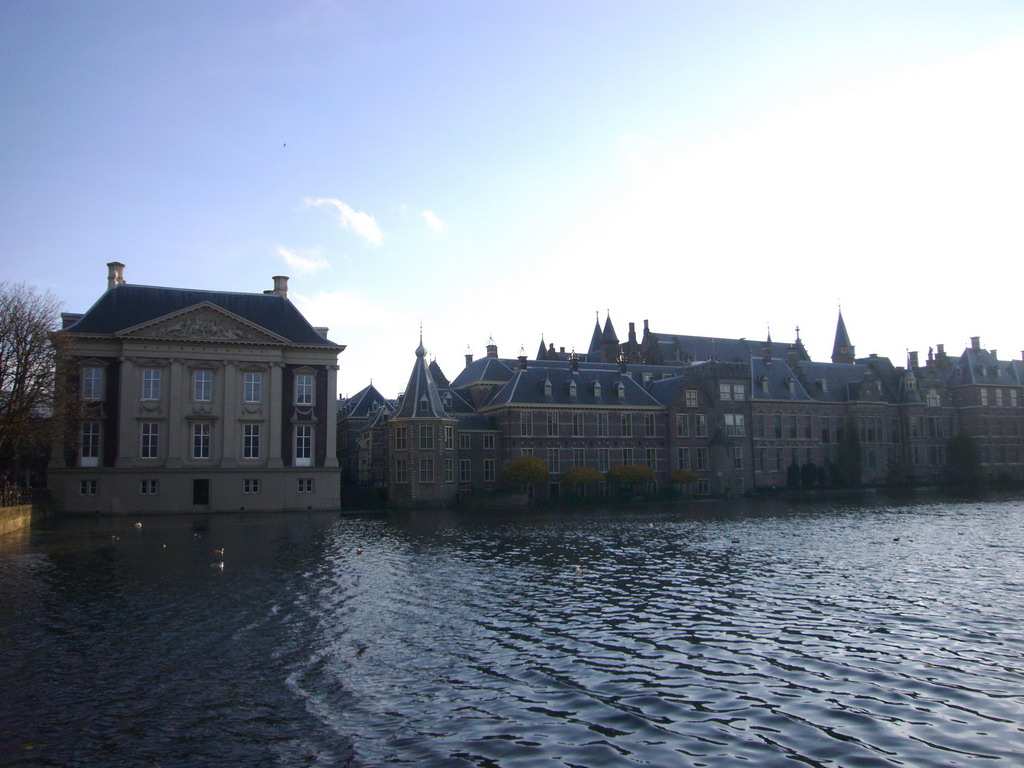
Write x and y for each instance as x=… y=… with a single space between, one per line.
x=203 y=322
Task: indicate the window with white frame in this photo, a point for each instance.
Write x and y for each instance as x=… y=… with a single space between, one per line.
x=702 y=459
x=627 y=424
x=984 y=395
x=735 y=425
x=683 y=457
x=401 y=438
x=579 y=457
x=652 y=458
x=650 y=425
x=401 y=471
x=703 y=486
x=89 y=453
x=489 y=470
x=200 y=440
x=602 y=425
x=426 y=470
x=725 y=391
x=149 y=440
x=577 y=425
x=691 y=398
x=602 y=459
x=304 y=485
x=682 y=425
x=202 y=385
x=251 y=485
x=87 y=487
x=702 y=424
x=303 y=445
x=465 y=471
x=553 y=467
x=149 y=487
x=253 y=387
x=488 y=442
x=464 y=441
x=251 y=441
x=526 y=423
x=151 y=383
x=552 y=420
x=426 y=434
x=449 y=470
x=449 y=437
x=91 y=383
x=304 y=389
x=737 y=457
x=627 y=456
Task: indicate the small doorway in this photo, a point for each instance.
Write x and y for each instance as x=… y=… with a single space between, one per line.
x=201 y=492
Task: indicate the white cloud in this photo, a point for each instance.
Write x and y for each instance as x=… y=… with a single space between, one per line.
x=361 y=223
x=307 y=263
x=433 y=222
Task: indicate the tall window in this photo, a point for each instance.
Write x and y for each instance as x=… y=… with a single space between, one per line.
x=577 y=425
x=202 y=385
x=449 y=470
x=149 y=447
x=92 y=384
x=253 y=387
x=552 y=419
x=401 y=438
x=553 y=467
x=465 y=471
x=303 y=445
x=90 y=444
x=627 y=424
x=150 y=383
x=627 y=456
x=735 y=425
x=488 y=442
x=489 y=470
x=200 y=441
x=602 y=459
x=401 y=471
x=426 y=437
x=702 y=424
x=449 y=436
x=464 y=441
x=602 y=425
x=684 y=458
x=702 y=459
x=526 y=423
x=304 y=389
x=691 y=398
x=737 y=457
x=251 y=441
x=579 y=457
x=682 y=425
x=652 y=458
x=426 y=470
x=649 y=425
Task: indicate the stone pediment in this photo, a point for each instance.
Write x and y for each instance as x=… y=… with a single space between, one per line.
x=203 y=322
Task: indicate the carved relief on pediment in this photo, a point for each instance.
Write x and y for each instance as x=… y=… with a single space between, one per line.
x=204 y=323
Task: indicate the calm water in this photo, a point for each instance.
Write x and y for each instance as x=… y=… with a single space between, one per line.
x=755 y=634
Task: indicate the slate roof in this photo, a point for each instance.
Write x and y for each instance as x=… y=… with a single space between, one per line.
x=527 y=386
x=678 y=348
x=363 y=403
x=980 y=366
x=127 y=305
x=421 y=398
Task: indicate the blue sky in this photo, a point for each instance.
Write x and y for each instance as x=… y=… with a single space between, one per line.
x=507 y=169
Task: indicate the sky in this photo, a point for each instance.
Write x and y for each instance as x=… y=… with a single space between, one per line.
x=514 y=170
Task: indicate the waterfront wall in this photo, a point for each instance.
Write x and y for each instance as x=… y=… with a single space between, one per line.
x=19 y=516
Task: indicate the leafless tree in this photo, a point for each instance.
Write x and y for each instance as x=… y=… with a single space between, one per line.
x=28 y=360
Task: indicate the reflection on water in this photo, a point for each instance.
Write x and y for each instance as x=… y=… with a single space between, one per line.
x=750 y=633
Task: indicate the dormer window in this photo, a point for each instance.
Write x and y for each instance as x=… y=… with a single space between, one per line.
x=424 y=405
x=764 y=383
x=572 y=389
x=791 y=384
x=597 y=388
x=547 y=387
x=620 y=390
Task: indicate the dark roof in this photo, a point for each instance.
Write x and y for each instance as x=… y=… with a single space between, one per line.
x=126 y=306
x=527 y=386
x=421 y=398
x=679 y=348
x=842 y=345
x=364 y=403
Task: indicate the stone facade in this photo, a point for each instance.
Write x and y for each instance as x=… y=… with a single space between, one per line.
x=197 y=401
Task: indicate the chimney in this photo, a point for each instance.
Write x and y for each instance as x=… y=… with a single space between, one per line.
x=940 y=350
x=766 y=351
x=280 y=286
x=321 y=330
x=522 y=362
x=975 y=342
x=632 y=333
x=574 y=363
x=492 y=349
x=115 y=274
x=623 y=368
x=913 y=360
x=469 y=355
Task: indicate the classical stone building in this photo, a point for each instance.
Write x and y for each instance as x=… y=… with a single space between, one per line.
x=743 y=416
x=195 y=401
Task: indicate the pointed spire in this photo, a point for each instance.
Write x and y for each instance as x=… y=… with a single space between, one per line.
x=594 y=351
x=542 y=353
x=842 y=349
x=421 y=397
